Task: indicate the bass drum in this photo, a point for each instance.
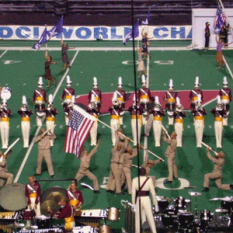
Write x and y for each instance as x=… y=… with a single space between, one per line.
x=12 y=197
x=6 y=93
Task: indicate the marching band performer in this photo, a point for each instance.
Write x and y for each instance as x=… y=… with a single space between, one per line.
x=193 y=95
x=25 y=114
x=66 y=213
x=68 y=92
x=96 y=92
x=75 y=197
x=115 y=112
x=5 y=177
x=69 y=109
x=5 y=113
x=219 y=113
x=93 y=110
x=144 y=96
x=179 y=115
x=51 y=113
x=121 y=96
x=199 y=112
x=157 y=124
x=226 y=97
x=32 y=193
x=143 y=193
x=170 y=98
x=39 y=98
x=136 y=112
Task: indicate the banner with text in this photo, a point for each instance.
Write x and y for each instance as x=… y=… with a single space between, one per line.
x=14 y=32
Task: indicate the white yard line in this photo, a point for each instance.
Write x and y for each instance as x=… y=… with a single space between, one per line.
x=38 y=129
x=3 y=53
x=147 y=85
x=229 y=70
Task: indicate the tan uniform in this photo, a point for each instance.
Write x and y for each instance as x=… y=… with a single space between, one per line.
x=216 y=174
x=85 y=159
x=126 y=161
x=145 y=165
x=5 y=176
x=44 y=152
x=170 y=154
x=115 y=167
x=146 y=208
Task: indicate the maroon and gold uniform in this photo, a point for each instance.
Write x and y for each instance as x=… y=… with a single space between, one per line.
x=193 y=97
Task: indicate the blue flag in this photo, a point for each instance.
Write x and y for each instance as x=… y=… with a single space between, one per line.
x=220 y=19
x=56 y=29
x=146 y=22
x=130 y=34
x=42 y=40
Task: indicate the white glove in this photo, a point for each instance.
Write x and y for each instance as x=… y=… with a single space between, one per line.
x=156 y=208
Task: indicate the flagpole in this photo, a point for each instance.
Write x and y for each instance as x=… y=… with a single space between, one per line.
x=130 y=140
x=46 y=47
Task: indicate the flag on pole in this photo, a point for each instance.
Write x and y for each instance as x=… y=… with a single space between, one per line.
x=56 y=29
x=146 y=22
x=130 y=34
x=220 y=19
x=42 y=40
x=79 y=127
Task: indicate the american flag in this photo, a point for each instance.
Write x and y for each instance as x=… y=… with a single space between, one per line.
x=220 y=19
x=79 y=126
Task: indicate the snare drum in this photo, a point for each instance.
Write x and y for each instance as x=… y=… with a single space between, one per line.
x=113 y=214
x=105 y=229
x=6 y=93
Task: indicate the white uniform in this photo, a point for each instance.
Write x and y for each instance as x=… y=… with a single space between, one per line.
x=5 y=127
x=114 y=123
x=93 y=133
x=179 y=126
x=157 y=126
x=146 y=207
x=25 y=127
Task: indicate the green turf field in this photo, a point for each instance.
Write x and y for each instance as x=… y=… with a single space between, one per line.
x=20 y=71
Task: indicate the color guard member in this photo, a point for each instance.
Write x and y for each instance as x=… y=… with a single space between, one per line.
x=170 y=99
x=51 y=113
x=25 y=114
x=207 y=35
x=179 y=115
x=32 y=193
x=193 y=95
x=199 y=121
x=97 y=93
x=85 y=160
x=218 y=124
x=217 y=172
x=5 y=177
x=5 y=114
x=39 y=98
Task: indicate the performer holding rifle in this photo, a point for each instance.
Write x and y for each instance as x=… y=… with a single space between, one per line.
x=5 y=177
x=44 y=151
x=216 y=174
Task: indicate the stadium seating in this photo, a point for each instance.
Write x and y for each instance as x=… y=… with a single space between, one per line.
x=179 y=10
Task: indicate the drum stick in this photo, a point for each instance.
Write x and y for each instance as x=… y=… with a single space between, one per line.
x=209 y=148
x=48 y=130
x=164 y=129
x=9 y=148
x=130 y=139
